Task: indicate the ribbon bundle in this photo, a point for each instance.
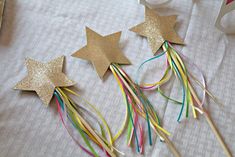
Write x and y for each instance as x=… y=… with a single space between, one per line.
x=138 y=105
x=70 y=113
x=176 y=65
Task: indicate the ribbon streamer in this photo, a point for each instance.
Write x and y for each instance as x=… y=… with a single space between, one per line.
x=138 y=105
x=175 y=63
x=70 y=114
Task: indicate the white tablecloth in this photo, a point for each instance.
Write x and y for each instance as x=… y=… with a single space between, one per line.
x=44 y=30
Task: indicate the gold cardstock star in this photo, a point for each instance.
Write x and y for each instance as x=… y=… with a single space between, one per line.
x=102 y=51
x=157 y=29
x=44 y=77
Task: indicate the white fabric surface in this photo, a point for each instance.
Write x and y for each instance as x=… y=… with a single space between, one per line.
x=47 y=29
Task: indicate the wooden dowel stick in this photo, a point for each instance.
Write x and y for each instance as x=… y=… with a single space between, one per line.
x=217 y=134
x=170 y=145
x=211 y=124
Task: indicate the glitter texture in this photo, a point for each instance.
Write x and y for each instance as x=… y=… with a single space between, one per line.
x=157 y=29
x=44 y=77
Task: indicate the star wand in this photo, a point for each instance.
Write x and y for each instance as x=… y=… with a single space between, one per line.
x=104 y=53
x=48 y=80
x=160 y=33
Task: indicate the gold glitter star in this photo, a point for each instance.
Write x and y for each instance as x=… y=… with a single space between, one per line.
x=102 y=51
x=44 y=77
x=157 y=29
